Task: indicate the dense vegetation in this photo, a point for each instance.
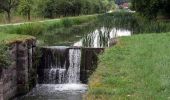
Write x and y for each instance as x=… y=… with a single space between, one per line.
x=54 y=8
x=38 y=28
x=55 y=32
x=4 y=56
x=137 y=68
x=68 y=30
x=133 y=22
x=152 y=8
x=10 y=38
x=5 y=39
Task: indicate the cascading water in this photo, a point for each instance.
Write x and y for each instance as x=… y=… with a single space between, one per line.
x=74 y=68
x=62 y=66
x=101 y=37
x=54 y=65
x=59 y=75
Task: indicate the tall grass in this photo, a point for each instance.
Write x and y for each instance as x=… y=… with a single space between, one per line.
x=66 y=30
x=133 y=22
x=38 y=28
x=150 y=26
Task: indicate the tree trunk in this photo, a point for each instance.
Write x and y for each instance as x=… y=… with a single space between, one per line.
x=29 y=16
x=9 y=16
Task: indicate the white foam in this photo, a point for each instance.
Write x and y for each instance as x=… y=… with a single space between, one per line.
x=70 y=87
x=61 y=87
x=95 y=36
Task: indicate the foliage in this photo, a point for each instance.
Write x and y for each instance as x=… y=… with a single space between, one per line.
x=4 y=56
x=137 y=68
x=54 y=8
x=151 y=8
x=132 y=22
x=7 y=6
x=10 y=38
x=39 y=28
x=25 y=7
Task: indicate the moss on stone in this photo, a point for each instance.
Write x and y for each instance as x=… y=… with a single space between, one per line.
x=12 y=38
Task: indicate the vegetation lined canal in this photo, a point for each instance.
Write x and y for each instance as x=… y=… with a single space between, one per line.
x=60 y=71
x=86 y=49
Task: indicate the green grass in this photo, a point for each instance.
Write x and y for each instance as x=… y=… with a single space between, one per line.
x=5 y=40
x=137 y=68
x=39 y=28
x=9 y=38
x=52 y=32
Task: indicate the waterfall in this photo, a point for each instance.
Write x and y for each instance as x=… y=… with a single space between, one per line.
x=52 y=75
x=74 y=68
x=60 y=66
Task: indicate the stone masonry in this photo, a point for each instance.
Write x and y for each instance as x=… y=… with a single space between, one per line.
x=14 y=80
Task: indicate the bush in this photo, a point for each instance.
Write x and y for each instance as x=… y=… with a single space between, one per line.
x=67 y=23
x=4 y=56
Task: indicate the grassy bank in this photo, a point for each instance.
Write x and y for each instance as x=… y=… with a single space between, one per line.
x=5 y=40
x=133 y=22
x=38 y=28
x=9 y=38
x=137 y=68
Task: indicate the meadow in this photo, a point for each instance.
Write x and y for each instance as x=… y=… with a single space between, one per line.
x=137 y=68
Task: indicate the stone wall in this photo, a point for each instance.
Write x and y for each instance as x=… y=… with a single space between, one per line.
x=15 y=79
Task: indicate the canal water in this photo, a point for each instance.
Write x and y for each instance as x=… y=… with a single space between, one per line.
x=59 y=70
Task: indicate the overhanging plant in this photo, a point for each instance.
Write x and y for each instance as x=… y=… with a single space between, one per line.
x=4 y=56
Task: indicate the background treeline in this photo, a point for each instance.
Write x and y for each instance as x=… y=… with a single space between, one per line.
x=53 y=8
x=152 y=8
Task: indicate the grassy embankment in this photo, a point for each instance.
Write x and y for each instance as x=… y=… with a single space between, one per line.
x=137 y=68
x=6 y=39
x=9 y=38
x=38 y=28
x=53 y=32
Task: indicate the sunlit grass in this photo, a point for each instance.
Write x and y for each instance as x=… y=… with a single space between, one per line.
x=8 y=38
x=137 y=68
x=38 y=28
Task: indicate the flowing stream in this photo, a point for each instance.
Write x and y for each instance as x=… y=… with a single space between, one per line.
x=59 y=73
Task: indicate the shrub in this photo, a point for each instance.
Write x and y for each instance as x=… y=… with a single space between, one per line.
x=67 y=22
x=4 y=56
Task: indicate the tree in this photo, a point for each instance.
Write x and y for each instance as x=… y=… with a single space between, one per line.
x=151 y=8
x=25 y=7
x=7 y=6
x=47 y=8
x=166 y=7
x=54 y=8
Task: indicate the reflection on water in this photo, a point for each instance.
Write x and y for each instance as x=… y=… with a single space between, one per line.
x=101 y=37
x=56 y=92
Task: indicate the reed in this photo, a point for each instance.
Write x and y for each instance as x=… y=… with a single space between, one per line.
x=133 y=22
